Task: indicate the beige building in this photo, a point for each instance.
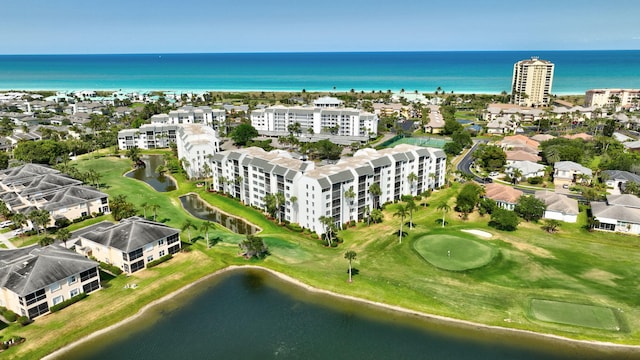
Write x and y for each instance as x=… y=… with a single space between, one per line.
x=130 y=245
x=612 y=98
x=34 y=278
x=532 y=81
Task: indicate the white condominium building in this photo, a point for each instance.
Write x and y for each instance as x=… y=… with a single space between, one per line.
x=342 y=191
x=192 y=115
x=196 y=144
x=612 y=97
x=148 y=136
x=327 y=119
x=532 y=81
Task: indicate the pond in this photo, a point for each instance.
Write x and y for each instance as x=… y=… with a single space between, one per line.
x=149 y=175
x=197 y=207
x=251 y=314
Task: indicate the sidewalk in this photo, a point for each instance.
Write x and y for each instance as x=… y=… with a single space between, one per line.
x=4 y=238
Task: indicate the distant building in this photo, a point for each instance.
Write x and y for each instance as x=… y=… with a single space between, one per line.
x=196 y=144
x=569 y=172
x=34 y=278
x=148 y=136
x=340 y=122
x=532 y=82
x=620 y=213
x=559 y=206
x=506 y=197
x=616 y=98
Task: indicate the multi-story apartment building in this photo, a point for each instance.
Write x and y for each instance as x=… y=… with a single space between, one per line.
x=532 y=82
x=34 y=278
x=148 y=136
x=32 y=186
x=325 y=119
x=196 y=143
x=612 y=98
x=130 y=244
x=342 y=191
x=197 y=115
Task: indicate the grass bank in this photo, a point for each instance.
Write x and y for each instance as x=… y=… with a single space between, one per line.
x=598 y=268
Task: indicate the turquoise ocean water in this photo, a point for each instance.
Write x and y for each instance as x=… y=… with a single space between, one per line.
x=461 y=72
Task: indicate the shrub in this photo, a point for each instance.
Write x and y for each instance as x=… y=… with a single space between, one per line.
x=110 y=268
x=9 y=315
x=68 y=302
x=159 y=261
x=62 y=223
x=293 y=227
x=24 y=321
x=406 y=198
x=535 y=180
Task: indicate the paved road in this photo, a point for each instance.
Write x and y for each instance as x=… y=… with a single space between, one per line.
x=4 y=238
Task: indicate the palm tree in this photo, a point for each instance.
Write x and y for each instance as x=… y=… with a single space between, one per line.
x=19 y=220
x=187 y=225
x=412 y=177
x=367 y=213
x=144 y=206
x=401 y=212
x=327 y=223
x=350 y=195
x=350 y=255
x=375 y=192
x=444 y=207
x=63 y=235
x=517 y=174
x=279 y=197
x=154 y=208
x=205 y=227
x=411 y=207
x=294 y=203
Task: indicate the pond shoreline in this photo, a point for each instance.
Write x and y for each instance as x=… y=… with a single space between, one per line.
x=208 y=205
x=590 y=344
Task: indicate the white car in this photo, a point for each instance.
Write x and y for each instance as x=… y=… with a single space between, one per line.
x=17 y=232
x=6 y=223
x=494 y=173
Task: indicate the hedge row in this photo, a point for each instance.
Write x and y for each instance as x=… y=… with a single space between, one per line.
x=9 y=315
x=159 y=261
x=68 y=302
x=111 y=268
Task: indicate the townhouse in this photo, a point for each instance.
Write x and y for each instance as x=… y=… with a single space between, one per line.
x=34 y=278
x=343 y=191
x=129 y=245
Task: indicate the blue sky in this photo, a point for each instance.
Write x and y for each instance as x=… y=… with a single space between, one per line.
x=136 y=26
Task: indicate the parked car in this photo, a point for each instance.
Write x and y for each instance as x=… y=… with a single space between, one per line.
x=17 y=232
x=488 y=180
x=494 y=173
x=5 y=223
x=565 y=186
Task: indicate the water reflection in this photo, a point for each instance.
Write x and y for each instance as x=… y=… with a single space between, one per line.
x=149 y=175
x=200 y=209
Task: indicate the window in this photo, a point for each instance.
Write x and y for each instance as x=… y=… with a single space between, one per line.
x=161 y=253
x=74 y=292
x=148 y=247
x=54 y=287
x=173 y=238
x=58 y=299
x=86 y=275
x=72 y=279
x=160 y=242
x=149 y=258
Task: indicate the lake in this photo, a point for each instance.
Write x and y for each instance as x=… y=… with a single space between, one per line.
x=250 y=314
x=149 y=175
x=200 y=209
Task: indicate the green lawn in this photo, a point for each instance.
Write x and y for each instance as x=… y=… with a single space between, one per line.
x=597 y=317
x=529 y=264
x=454 y=253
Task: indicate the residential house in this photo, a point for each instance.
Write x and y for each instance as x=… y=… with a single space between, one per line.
x=528 y=169
x=34 y=278
x=617 y=179
x=520 y=142
x=569 y=172
x=558 y=206
x=520 y=155
x=506 y=197
x=502 y=126
x=129 y=245
x=620 y=213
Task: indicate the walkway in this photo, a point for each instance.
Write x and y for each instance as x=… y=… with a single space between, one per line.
x=4 y=238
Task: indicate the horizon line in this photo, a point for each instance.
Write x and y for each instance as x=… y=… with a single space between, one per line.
x=311 y=52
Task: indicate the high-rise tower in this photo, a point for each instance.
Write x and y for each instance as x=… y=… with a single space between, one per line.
x=531 y=84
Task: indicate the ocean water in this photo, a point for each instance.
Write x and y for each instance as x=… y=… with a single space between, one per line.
x=460 y=72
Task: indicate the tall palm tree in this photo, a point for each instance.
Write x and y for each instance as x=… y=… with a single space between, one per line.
x=402 y=213
x=280 y=200
x=187 y=225
x=444 y=207
x=411 y=207
x=144 y=206
x=154 y=208
x=327 y=223
x=375 y=192
x=412 y=177
x=350 y=195
x=19 y=220
x=350 y=255
x=206 y=226
x=517 y=174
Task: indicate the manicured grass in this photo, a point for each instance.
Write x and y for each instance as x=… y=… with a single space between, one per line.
x=454 y=253
x=596 y=317
x=530 y=263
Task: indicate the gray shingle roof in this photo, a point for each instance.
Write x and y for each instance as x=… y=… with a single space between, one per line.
x=26 y=270
x=558 y=202
x=602 y=210
x=130 y=234
x=626 y=200
x=621 y=175
x=382 y=161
